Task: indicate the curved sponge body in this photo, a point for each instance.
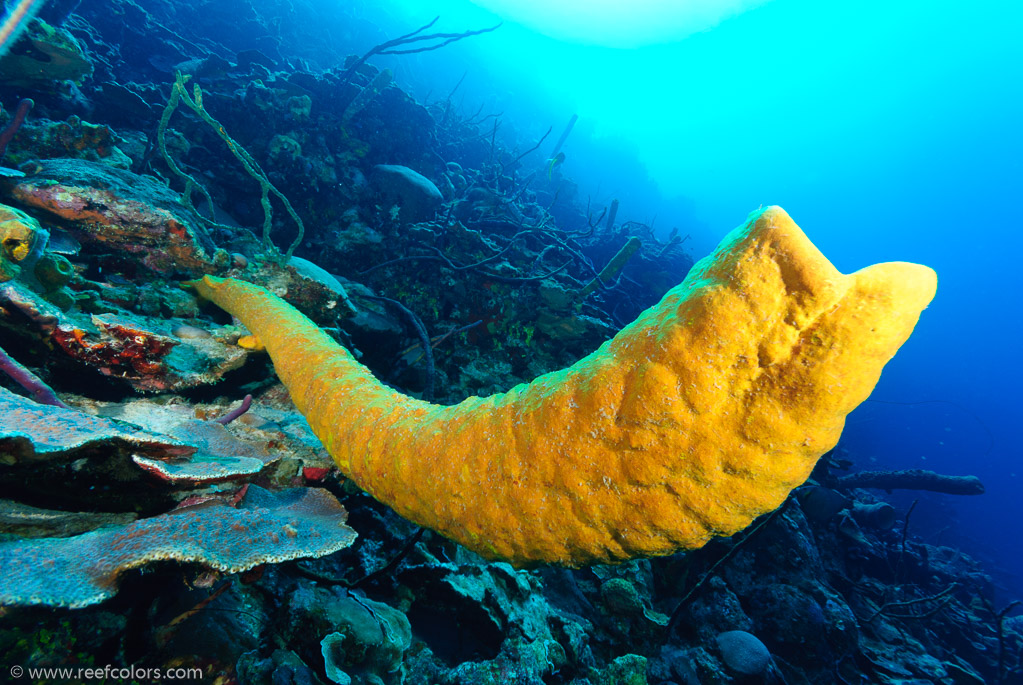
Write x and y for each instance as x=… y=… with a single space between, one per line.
x=698 y=417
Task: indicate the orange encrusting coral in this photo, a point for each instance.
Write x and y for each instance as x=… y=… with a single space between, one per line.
x=695 y=419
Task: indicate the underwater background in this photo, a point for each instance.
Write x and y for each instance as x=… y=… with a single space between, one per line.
x=164 y=505
x=889 y=131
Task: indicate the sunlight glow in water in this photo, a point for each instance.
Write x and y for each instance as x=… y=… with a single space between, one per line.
x=615 y=23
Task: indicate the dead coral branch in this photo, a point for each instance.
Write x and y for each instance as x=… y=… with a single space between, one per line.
x=913 y=479
x=392 y=47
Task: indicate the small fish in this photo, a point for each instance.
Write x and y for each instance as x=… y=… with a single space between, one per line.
x=186 y=332
x=553 y=163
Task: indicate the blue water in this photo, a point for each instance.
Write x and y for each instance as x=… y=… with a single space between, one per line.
x=889 y=131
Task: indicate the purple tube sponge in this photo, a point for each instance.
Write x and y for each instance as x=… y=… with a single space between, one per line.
x=41 y=392
x=20 y=112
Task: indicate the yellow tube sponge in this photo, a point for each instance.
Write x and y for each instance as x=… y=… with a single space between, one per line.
x=695 y=419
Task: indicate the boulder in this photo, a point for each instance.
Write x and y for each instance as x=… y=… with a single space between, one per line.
x=129 y=223
x=743 y=652
x=416 y=194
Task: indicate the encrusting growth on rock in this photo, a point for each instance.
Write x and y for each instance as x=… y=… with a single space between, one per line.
x=695 y=419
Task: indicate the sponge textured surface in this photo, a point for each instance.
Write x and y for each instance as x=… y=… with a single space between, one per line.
x=695 y=419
